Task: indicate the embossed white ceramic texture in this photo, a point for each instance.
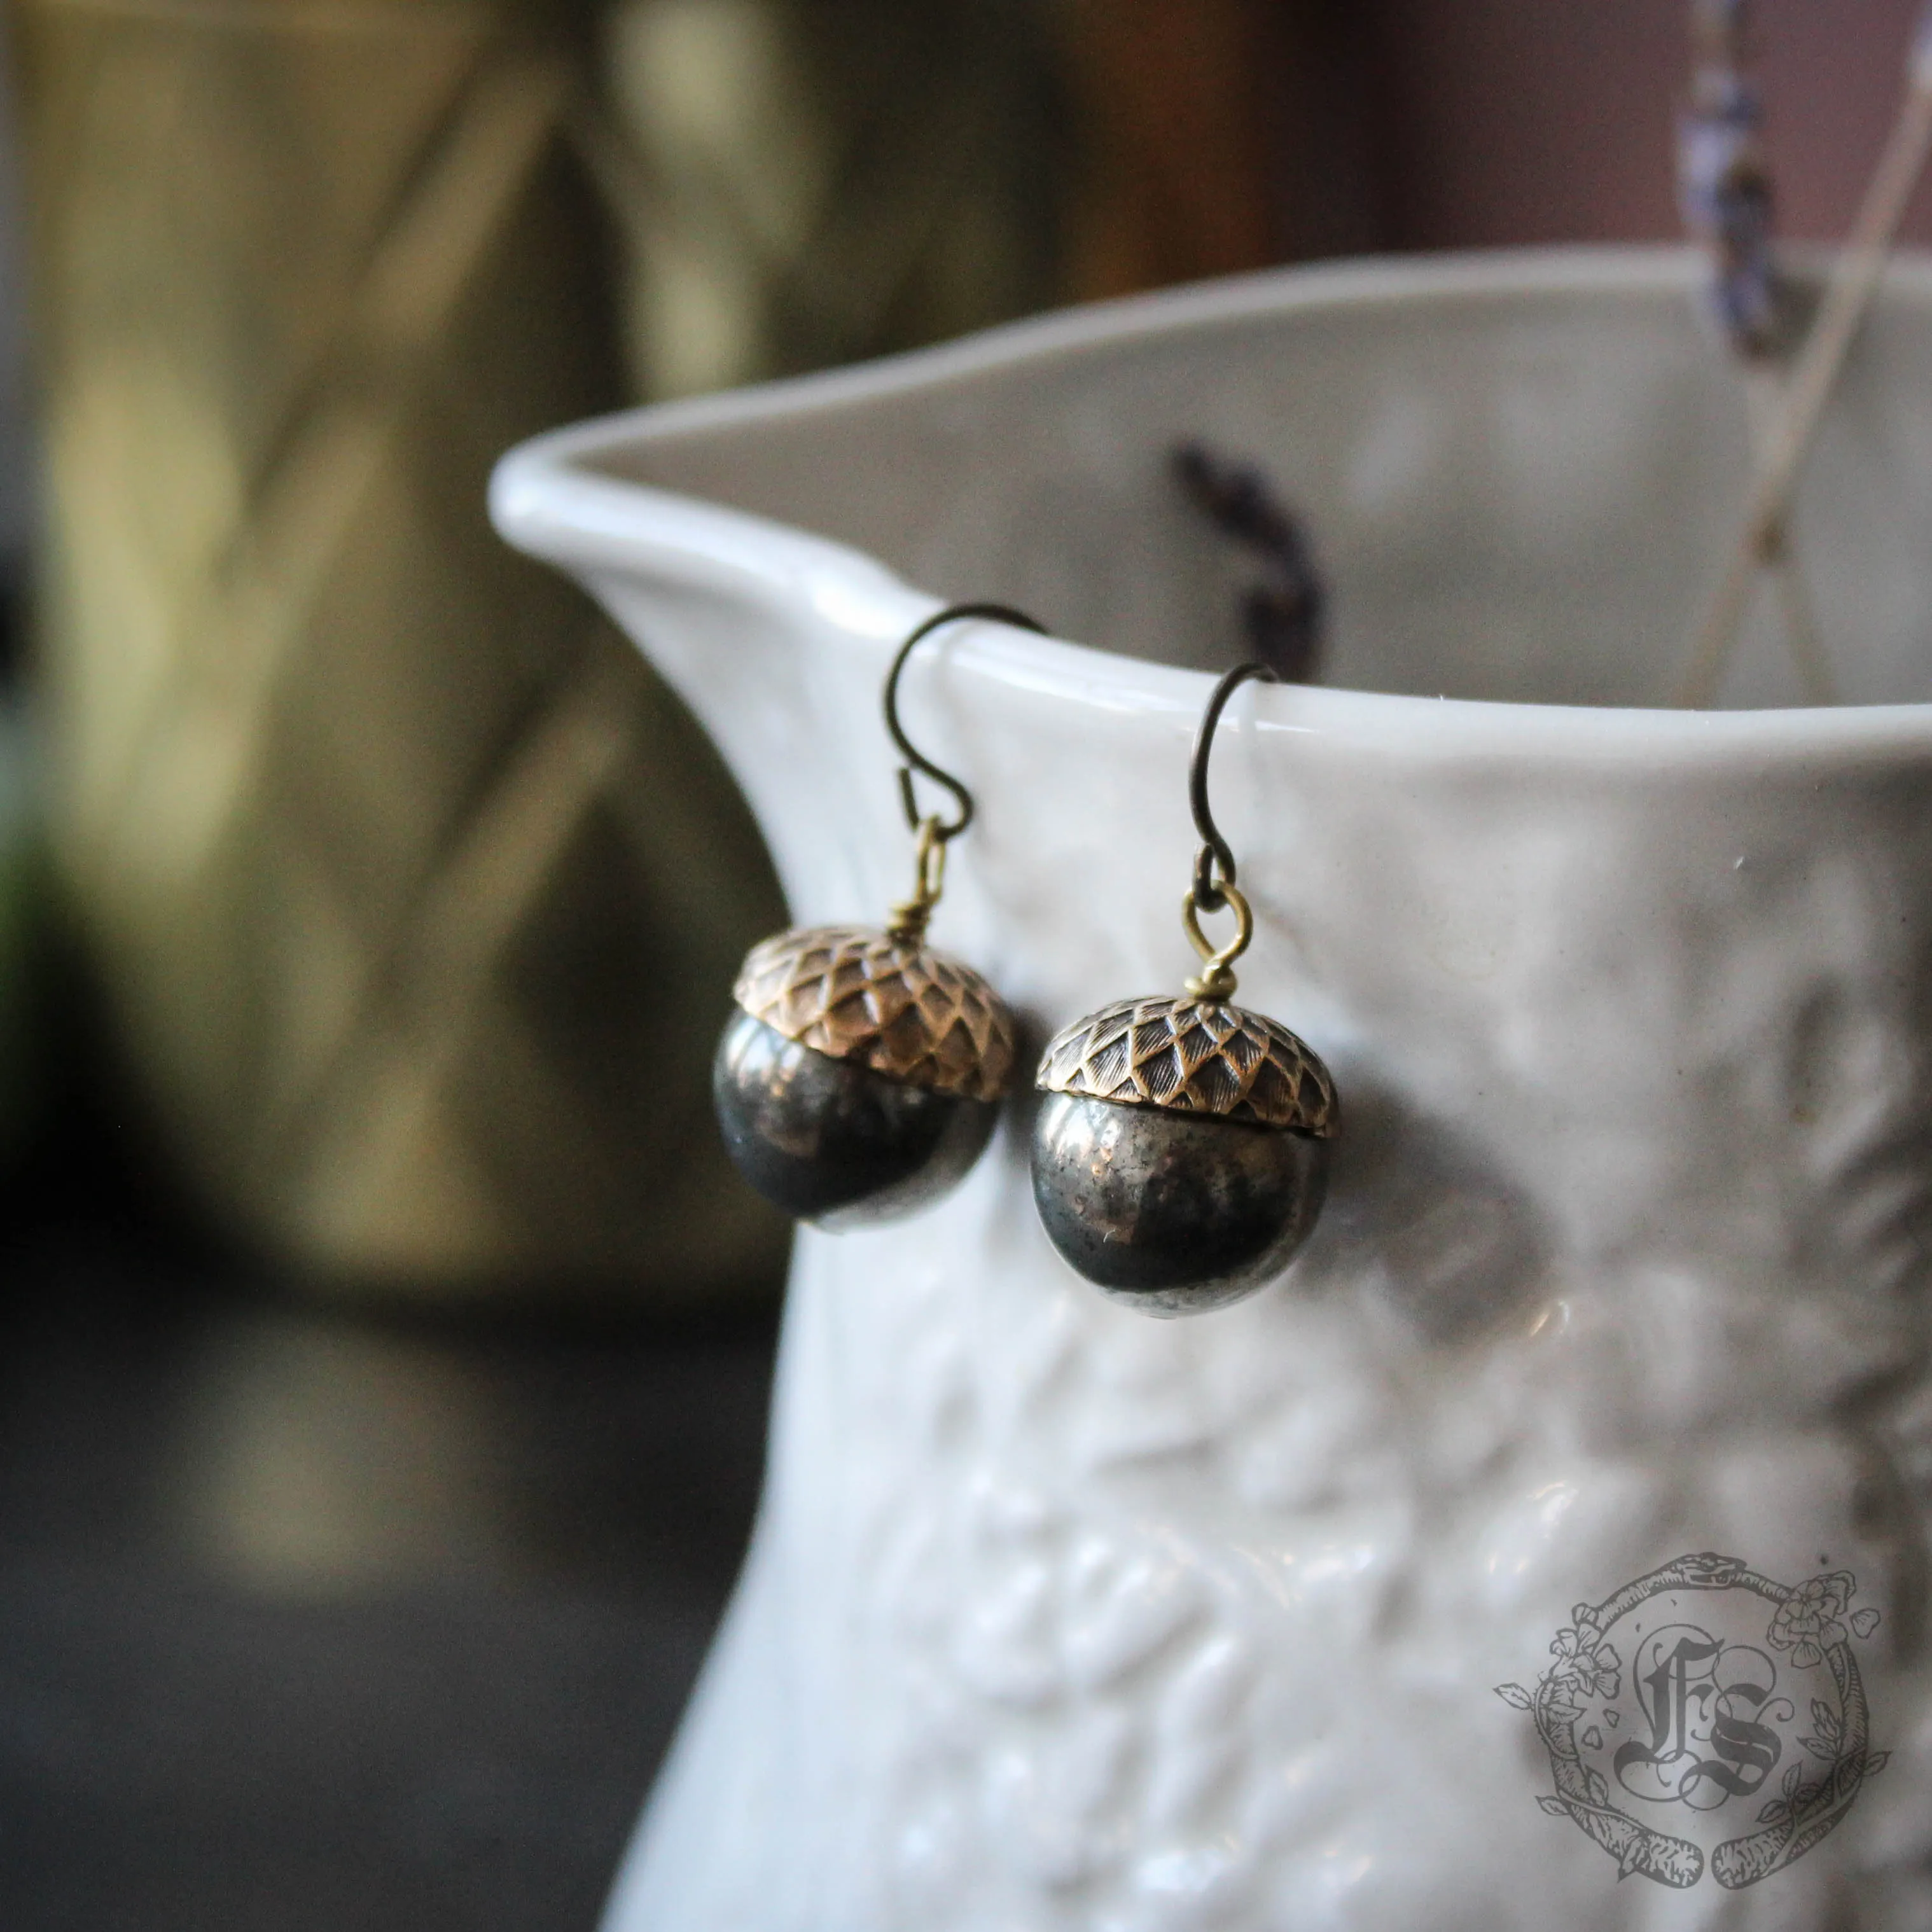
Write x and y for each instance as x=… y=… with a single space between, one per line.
x=1057 y=1617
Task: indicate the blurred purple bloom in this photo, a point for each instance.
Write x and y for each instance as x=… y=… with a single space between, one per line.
x=1283 y=615
x=1723 y=185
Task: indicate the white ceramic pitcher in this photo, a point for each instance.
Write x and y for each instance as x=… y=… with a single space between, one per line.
x=1548 y=1548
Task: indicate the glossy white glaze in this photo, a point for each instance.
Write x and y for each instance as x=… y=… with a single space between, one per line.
x=1058 y=1617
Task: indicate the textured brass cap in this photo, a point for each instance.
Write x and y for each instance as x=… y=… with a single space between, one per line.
x=897 y=1007
x=1194 y=1056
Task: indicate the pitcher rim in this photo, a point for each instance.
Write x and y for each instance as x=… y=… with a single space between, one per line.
x=559 y=496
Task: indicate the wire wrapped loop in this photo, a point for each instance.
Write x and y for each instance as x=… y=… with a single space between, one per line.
x=1216 y=980
x=909 y=918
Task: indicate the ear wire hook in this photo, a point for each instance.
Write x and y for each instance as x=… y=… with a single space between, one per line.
x=915 y=759
x=908 y=920
x=1209 y=893
x=1215 y=851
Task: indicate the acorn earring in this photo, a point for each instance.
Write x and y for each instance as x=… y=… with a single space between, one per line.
x=1181 y=1156
x=861 y=1076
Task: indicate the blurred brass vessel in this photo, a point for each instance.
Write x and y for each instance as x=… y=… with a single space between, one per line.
x=416 y=899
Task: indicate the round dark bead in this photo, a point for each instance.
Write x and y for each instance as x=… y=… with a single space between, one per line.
x=832 y=1142
x=1173 y=1213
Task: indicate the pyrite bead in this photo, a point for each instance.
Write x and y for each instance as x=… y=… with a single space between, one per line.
x=1181 y=1156
x=832 y=1142
x=860 y=1078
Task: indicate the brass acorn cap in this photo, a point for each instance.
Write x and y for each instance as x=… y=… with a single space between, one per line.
x=896 y=1005
x=1194 y=1056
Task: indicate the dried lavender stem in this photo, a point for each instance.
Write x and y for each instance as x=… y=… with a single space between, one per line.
x=1801 y=628
x=1765 y=396
x=1854 y=281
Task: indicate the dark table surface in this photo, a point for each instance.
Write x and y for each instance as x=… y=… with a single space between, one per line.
x=315 y=1618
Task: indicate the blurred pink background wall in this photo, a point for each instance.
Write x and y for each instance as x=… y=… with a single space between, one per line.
x=1221 y=135
x=1500 y=121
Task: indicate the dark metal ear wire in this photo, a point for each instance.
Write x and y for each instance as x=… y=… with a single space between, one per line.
x=908 y=920
x=1215 y=852
x=917 y=761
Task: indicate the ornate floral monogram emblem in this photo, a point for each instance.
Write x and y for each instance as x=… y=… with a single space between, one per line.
x=1706 y=1714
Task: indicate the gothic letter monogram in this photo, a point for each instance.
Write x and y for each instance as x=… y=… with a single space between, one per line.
x=1713 y=1692
x=1697 y=1693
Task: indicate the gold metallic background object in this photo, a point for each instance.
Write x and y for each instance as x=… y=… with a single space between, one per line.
x=804 y=182
x=415 y=899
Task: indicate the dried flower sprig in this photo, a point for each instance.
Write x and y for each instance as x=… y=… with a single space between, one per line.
x=1284 y=617
x=1724 y=185
x=1848 y=296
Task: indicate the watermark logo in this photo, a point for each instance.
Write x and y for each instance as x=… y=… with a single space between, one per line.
x=1705 y=1715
